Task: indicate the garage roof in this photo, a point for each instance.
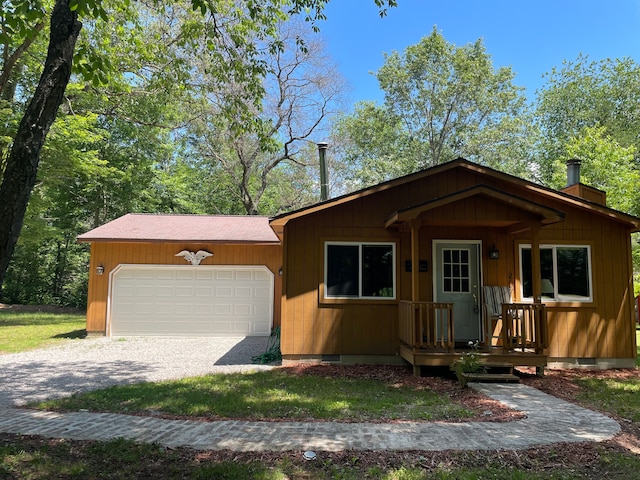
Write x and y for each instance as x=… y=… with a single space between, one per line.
x=136 y=227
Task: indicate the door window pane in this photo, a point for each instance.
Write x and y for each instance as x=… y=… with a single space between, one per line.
x=455 y=270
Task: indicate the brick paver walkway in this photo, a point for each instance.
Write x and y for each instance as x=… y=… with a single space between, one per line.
x=548 y=420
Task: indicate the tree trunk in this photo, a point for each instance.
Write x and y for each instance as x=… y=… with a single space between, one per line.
x=22 y=164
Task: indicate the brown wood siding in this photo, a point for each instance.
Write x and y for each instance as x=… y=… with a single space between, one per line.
x=602 y=329
x=110 y=255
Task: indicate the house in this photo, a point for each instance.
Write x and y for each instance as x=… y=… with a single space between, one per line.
x=396 y=272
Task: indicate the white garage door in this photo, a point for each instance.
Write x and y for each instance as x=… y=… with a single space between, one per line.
x=202 y=300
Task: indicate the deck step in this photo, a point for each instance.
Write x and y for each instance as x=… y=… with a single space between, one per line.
x=491 y=377
x=497 y=367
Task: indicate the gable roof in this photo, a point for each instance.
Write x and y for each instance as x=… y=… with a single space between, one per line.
x=632 y=222
x=547 y=215
x=136 y=227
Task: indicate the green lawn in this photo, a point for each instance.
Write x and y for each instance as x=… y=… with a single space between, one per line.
x=615 y=395
x=271 y=394
x=20 y=331
x=42 y=459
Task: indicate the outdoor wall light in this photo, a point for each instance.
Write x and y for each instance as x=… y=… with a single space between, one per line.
x=99 y=270
x=494 y=253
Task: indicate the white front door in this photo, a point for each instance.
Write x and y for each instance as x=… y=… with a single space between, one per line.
x=457 y=281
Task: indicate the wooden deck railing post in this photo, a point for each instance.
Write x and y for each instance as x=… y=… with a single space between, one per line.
x=524 y=326
x=426 y=324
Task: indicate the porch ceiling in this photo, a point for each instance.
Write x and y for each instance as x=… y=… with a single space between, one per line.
x=545 y=215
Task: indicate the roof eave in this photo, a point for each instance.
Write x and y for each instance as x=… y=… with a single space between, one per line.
x=176 y=241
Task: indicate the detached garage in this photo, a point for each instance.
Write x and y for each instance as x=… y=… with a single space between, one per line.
x=184 y=275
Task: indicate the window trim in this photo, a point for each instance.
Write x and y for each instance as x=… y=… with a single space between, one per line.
x=327 y=298
x=558 y=298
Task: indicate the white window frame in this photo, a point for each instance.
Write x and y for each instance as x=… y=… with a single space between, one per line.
x=558 y=297
x=359 y=245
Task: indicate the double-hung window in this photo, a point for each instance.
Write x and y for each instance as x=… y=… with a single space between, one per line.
x=360 y=270
x=565 y=273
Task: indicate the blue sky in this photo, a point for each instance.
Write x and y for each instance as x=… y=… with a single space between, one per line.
x=529 y=36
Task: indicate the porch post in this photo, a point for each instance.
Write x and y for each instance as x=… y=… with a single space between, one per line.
x=536 y=282
x=415 y=259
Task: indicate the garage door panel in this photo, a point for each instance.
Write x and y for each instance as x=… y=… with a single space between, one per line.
x=164 y=291
x=205 y=275
x=263 y=329
x=222 y=309
x=244 y=275
x=263 y=276
x=165 y=275
x=182 y=291
x=184 y=274
x=242 y=309
x=204 y=292
x=261 y=310
x=224 y=275
x=143 y=308
x=123 y=292
x=222 y=292
x=262 y=292
x=203 y=309
x=145 y=274
x=144 y=292
x=183 y=309
x=191 y=301
x=165 y=309
x=242 y=328
x=242 y=292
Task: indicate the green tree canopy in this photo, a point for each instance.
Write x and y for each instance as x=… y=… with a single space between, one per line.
x=440 y=102
x=235 y=34
x=586 y=94
x=606 y=165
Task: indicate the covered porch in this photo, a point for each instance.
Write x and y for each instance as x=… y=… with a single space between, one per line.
x=427 y=336
x=434 y=322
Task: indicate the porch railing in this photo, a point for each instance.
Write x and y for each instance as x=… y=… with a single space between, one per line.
x=524 y=327
x=426 y=324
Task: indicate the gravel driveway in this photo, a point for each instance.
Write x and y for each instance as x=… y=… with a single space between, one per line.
x=93 y=363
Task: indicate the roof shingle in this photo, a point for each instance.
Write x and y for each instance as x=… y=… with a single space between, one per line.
x=184 y=228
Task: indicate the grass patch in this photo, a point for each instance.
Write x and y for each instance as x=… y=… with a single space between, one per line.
x=619 y=396
x=26 y=457
x=272 y=394
x=39 y=458
x=20 y=331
